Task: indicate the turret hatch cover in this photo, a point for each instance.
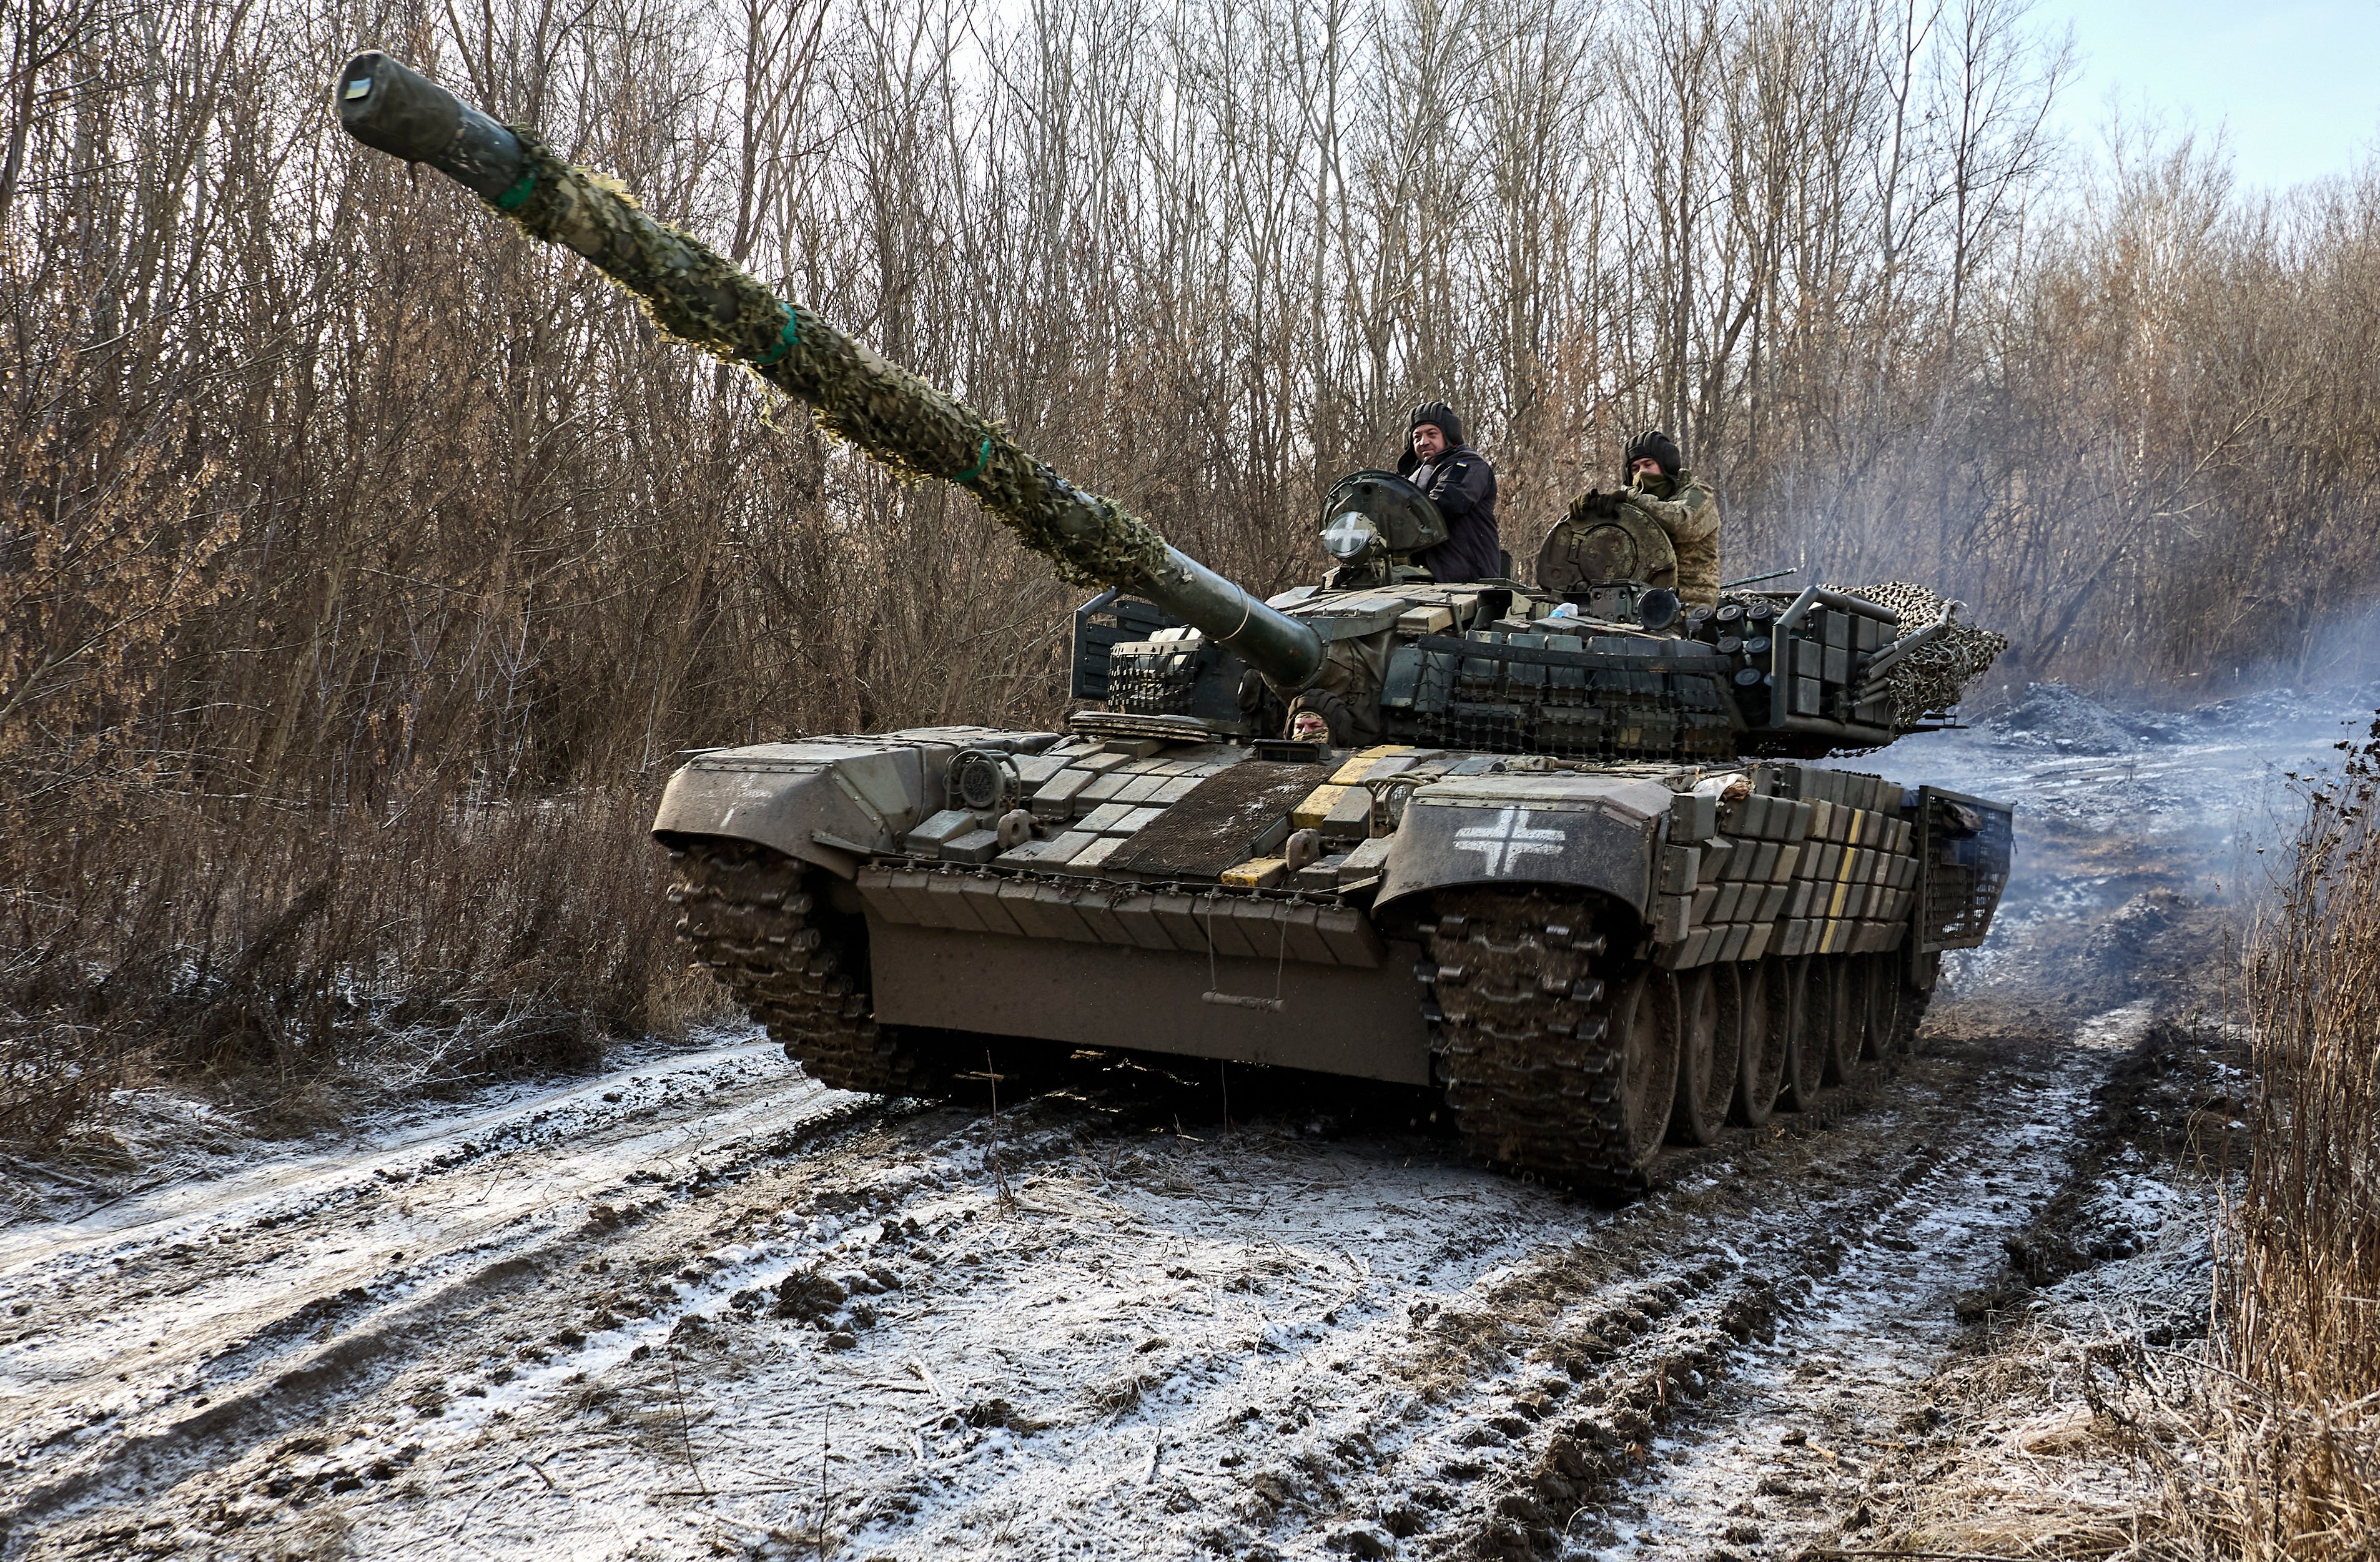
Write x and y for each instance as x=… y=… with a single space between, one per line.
x=1626 y=544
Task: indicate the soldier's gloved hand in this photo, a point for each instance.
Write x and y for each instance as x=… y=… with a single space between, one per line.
x=1593 y=504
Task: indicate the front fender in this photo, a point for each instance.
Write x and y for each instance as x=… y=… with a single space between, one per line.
x=1598 y=832
x=829 y=800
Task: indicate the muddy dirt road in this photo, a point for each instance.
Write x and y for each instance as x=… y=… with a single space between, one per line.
x=699 y=1314
x=702 y=1307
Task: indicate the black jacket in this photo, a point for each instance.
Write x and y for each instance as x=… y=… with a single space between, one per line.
x=1463 y=485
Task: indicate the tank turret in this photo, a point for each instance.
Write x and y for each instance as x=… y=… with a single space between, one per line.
x=1377 y=649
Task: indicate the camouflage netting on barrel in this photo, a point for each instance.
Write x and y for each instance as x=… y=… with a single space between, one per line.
x=1932 y=678
x=700 y=296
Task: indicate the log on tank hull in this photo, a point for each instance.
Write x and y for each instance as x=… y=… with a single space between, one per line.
x=1587 y=960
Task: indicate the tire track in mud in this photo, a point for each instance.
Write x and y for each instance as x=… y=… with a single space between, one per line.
x=1253 y=1344
x=1551 y=1387
x=197 y=1386
x=1813 y=1422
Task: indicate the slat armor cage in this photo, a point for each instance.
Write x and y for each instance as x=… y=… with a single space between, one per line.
x=1964 y=873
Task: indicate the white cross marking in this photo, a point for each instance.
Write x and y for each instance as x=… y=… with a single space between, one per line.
x=1508 y=840
x=1347 y=533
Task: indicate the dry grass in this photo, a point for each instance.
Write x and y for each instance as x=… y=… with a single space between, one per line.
x=303 y=959
x=2051 y=1469
x=2058 y=1429
x=2292 y=1467
x=2262 y=1445
x=315 y=486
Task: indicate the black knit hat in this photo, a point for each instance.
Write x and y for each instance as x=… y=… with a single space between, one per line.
x=1438 y=412
x=1655 y=445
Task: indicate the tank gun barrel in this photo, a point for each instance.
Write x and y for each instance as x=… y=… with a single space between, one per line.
x=700 y=296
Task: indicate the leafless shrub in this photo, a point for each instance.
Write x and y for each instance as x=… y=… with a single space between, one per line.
x=2269 y=1441
x=271 y=948
x=327 y=512
x=2295 y=1421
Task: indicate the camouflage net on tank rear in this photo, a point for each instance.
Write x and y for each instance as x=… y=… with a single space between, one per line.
x=699 y=295
x=1930 y=679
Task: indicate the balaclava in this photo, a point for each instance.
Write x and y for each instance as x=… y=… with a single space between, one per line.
x=1658 y=446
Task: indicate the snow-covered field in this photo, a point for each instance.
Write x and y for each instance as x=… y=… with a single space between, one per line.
x=700 y=1306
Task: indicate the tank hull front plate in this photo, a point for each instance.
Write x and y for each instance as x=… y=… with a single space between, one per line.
x=1339 y=1020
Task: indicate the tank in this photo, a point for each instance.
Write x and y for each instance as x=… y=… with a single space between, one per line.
x=1553 y=847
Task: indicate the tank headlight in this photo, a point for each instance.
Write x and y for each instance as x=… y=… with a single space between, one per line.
x=1348 y=536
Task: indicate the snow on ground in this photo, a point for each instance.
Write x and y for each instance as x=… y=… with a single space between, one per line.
x=633 y=1337
x=1816 y=1423
x=2206 y=784
x=394 y=1143
x=698 y=1306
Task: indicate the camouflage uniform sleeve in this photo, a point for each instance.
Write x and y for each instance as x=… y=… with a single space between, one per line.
x=1691 y=521
x=1691 y=516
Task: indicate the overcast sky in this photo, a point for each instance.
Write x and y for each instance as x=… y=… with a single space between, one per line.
x=2295 y=83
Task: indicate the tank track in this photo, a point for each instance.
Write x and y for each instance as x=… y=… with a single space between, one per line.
x=1529 y=1053
x=1532 y=1068
x=754 y=921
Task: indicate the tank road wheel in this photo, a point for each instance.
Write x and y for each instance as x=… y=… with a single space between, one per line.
x=1708 y=1052
x=1805 y=1033
x=1545 y=1068
x=1884 y=1003
x=1845 y=982
x=757 y=920
x=1761 y=1020
x=1645 y=1021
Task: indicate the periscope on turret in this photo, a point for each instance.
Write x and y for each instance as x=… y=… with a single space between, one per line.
x=1558 y=848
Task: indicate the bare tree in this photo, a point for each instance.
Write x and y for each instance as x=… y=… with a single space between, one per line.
x=326 y=500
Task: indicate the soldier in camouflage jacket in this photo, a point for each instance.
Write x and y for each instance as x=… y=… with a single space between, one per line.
x=1683 y=505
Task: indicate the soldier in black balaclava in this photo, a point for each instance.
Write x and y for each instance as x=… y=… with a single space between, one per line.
x=1683 y=504
x=1462 y=483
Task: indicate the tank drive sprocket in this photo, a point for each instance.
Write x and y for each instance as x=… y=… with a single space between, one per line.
x=754 y=919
